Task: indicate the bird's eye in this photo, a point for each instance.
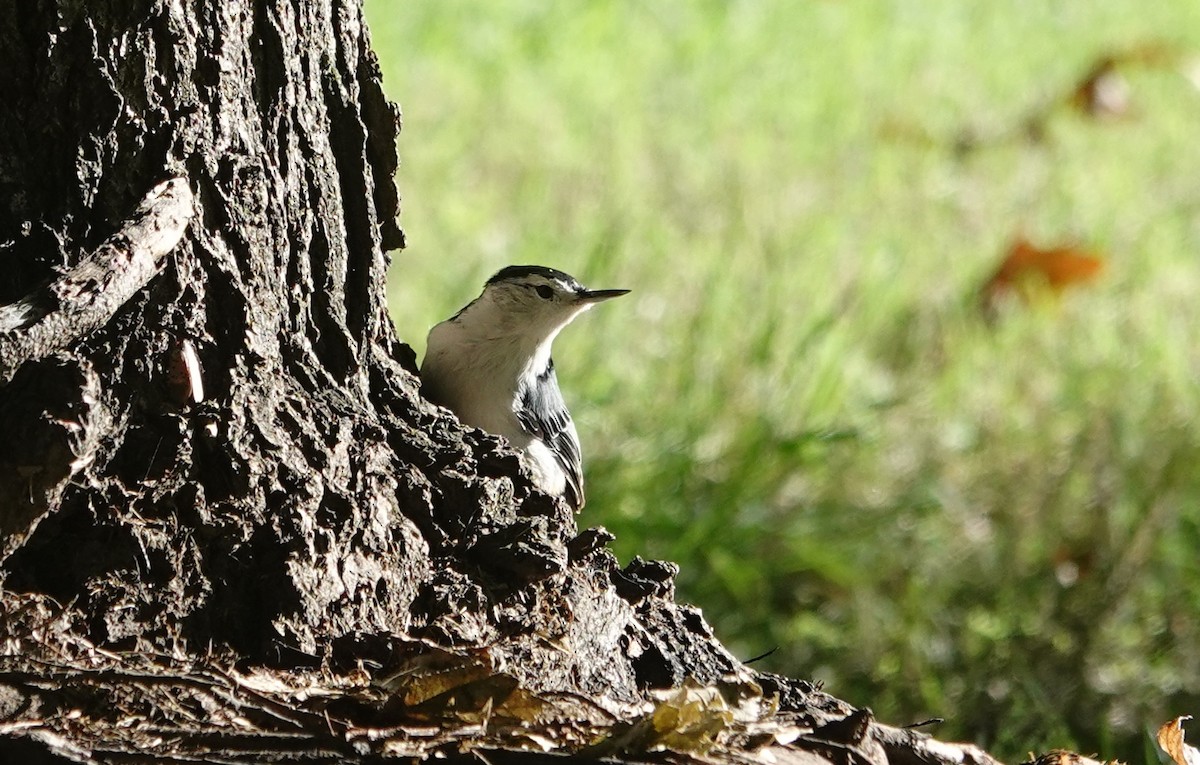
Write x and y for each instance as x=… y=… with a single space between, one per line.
x=544 y=292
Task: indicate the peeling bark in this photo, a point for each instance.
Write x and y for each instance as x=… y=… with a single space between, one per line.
x=306 y=562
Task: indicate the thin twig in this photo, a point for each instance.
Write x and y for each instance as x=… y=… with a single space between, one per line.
x=86 y=297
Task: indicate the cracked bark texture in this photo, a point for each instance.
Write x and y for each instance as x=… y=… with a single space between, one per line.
x=310 y=511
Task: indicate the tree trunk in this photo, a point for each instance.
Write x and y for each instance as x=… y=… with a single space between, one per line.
x=216 y=465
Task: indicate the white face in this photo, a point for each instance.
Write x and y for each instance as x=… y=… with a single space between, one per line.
x=539 y=300
x=528 y=302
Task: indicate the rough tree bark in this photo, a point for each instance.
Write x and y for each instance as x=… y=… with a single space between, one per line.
x=230 y=528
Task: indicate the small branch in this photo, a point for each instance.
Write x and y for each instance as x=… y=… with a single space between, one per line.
x=90 y=294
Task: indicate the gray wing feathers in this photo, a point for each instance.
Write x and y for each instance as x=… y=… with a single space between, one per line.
x=543 y=413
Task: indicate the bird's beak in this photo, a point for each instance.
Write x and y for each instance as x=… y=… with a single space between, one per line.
x=595 y=296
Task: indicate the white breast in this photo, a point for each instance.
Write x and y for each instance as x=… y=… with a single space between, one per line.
x=477 y=379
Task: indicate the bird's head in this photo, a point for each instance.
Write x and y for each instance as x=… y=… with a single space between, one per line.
x=533 y=302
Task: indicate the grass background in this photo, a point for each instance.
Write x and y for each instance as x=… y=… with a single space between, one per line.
x=997 y=524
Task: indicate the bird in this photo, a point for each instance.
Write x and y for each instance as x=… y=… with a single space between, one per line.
x=491 y=365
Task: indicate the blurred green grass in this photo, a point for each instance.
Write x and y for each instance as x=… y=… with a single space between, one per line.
x=799 y=402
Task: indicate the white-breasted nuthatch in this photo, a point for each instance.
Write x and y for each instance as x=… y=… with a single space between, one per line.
x=490 y=364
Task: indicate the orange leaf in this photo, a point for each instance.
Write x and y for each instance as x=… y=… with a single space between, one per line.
x=1027 y=269
x=1170 y=738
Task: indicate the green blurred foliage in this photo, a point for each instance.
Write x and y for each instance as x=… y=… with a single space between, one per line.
x=799 y=403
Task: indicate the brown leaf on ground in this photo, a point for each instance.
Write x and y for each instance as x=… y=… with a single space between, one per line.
x=1063 y=757
x=1103 y=91
x=1170 y=738
x=1029 y=272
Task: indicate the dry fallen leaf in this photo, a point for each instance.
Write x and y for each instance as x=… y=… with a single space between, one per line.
x=696 y=719
x=1170 y=738
x=1063 y=757
x=1028 y=272
x=1103 y=92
